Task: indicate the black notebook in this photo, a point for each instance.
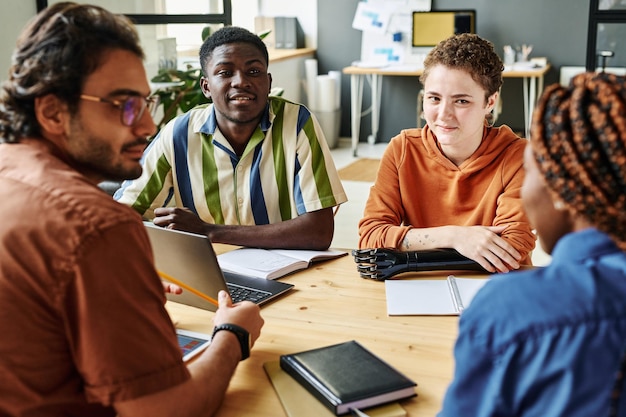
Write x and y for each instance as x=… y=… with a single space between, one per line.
x=347 y=376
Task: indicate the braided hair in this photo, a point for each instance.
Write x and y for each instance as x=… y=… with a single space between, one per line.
x=578 y=139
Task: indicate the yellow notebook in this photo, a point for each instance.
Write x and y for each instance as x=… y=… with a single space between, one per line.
x=297 y=401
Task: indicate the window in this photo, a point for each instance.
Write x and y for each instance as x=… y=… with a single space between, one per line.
x=170 y=30
x=606 y=34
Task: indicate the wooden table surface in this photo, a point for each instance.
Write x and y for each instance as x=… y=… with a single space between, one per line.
x=331 y=304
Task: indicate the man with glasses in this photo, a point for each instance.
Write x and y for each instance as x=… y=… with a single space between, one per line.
x=247 y=169
x=82 y=310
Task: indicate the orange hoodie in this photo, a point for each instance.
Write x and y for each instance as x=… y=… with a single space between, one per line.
x=417 y=186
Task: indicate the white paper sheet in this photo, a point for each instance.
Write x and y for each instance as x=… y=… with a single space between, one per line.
x=426 y=297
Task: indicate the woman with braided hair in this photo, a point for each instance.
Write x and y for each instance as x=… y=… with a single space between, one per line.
x=550 y=341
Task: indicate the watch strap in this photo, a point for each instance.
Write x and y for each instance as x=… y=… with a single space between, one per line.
x=242 y=336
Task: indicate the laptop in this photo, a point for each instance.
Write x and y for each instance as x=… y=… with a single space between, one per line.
x=190 y=258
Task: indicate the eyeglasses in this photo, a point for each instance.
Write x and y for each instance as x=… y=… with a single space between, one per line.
x=132 y=107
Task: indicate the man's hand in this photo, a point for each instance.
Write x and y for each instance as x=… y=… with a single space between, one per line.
x=170 y=288
x=244 y=314
x=178 y=218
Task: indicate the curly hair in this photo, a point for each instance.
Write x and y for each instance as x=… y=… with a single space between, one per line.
x=226 y=36
x=470 y=53
x=56 y=52
x=578 y=139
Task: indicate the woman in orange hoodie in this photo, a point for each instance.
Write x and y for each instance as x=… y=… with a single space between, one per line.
x=456 y=182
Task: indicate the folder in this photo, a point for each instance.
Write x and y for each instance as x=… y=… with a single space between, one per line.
x=289 y=33
x=266 y=23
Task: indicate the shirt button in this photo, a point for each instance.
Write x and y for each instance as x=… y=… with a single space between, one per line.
x=240 y=200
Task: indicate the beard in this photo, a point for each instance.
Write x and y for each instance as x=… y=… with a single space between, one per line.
x=98 y=161
x=94 y=155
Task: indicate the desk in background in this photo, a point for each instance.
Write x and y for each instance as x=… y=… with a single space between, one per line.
x=331 y=304
x=532 y=79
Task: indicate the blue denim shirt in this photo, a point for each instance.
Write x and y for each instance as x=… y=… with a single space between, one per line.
x=547 y=341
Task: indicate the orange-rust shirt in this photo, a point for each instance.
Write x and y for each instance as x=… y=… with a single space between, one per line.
x=417 y=186
x=82 y=315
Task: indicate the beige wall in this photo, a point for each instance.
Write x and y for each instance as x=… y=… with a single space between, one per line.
x=15 y=14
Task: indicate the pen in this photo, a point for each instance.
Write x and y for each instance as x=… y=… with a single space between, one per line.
x=188 y=288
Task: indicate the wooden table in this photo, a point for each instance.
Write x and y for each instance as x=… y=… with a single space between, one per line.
x=331 y=304
x=532 y=86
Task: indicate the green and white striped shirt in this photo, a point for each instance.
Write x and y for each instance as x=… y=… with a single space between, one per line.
x=286 y=169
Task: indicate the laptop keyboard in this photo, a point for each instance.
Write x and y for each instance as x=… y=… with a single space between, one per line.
x=239 y=293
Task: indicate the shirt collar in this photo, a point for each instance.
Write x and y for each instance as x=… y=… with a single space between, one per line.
x=582 y=245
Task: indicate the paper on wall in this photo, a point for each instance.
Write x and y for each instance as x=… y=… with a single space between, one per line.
x=387 y=16
x=380 y=48
x=402 y=18
x=373 y=16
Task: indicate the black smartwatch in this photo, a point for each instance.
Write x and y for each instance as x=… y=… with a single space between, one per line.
x=242 y=335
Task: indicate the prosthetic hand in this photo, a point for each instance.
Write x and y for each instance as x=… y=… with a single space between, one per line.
x=381 y=264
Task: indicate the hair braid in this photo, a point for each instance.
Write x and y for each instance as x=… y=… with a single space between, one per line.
x=579 y=141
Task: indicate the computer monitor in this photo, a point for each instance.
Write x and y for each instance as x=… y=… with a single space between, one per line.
x=430 y=28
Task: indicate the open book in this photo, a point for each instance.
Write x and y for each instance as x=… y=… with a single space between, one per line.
x=272 y=263
x=431 y=297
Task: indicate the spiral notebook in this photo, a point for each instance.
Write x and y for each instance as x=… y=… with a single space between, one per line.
x=423 y=297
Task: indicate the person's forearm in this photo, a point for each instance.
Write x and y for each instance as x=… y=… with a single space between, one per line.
x=270 y=237
x=213 y=370
x=202 y=394
x=522 y=240
x=427 y=238
x=312 y=231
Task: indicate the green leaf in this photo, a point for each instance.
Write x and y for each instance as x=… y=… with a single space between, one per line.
x=206 y=32
x=264 y=34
